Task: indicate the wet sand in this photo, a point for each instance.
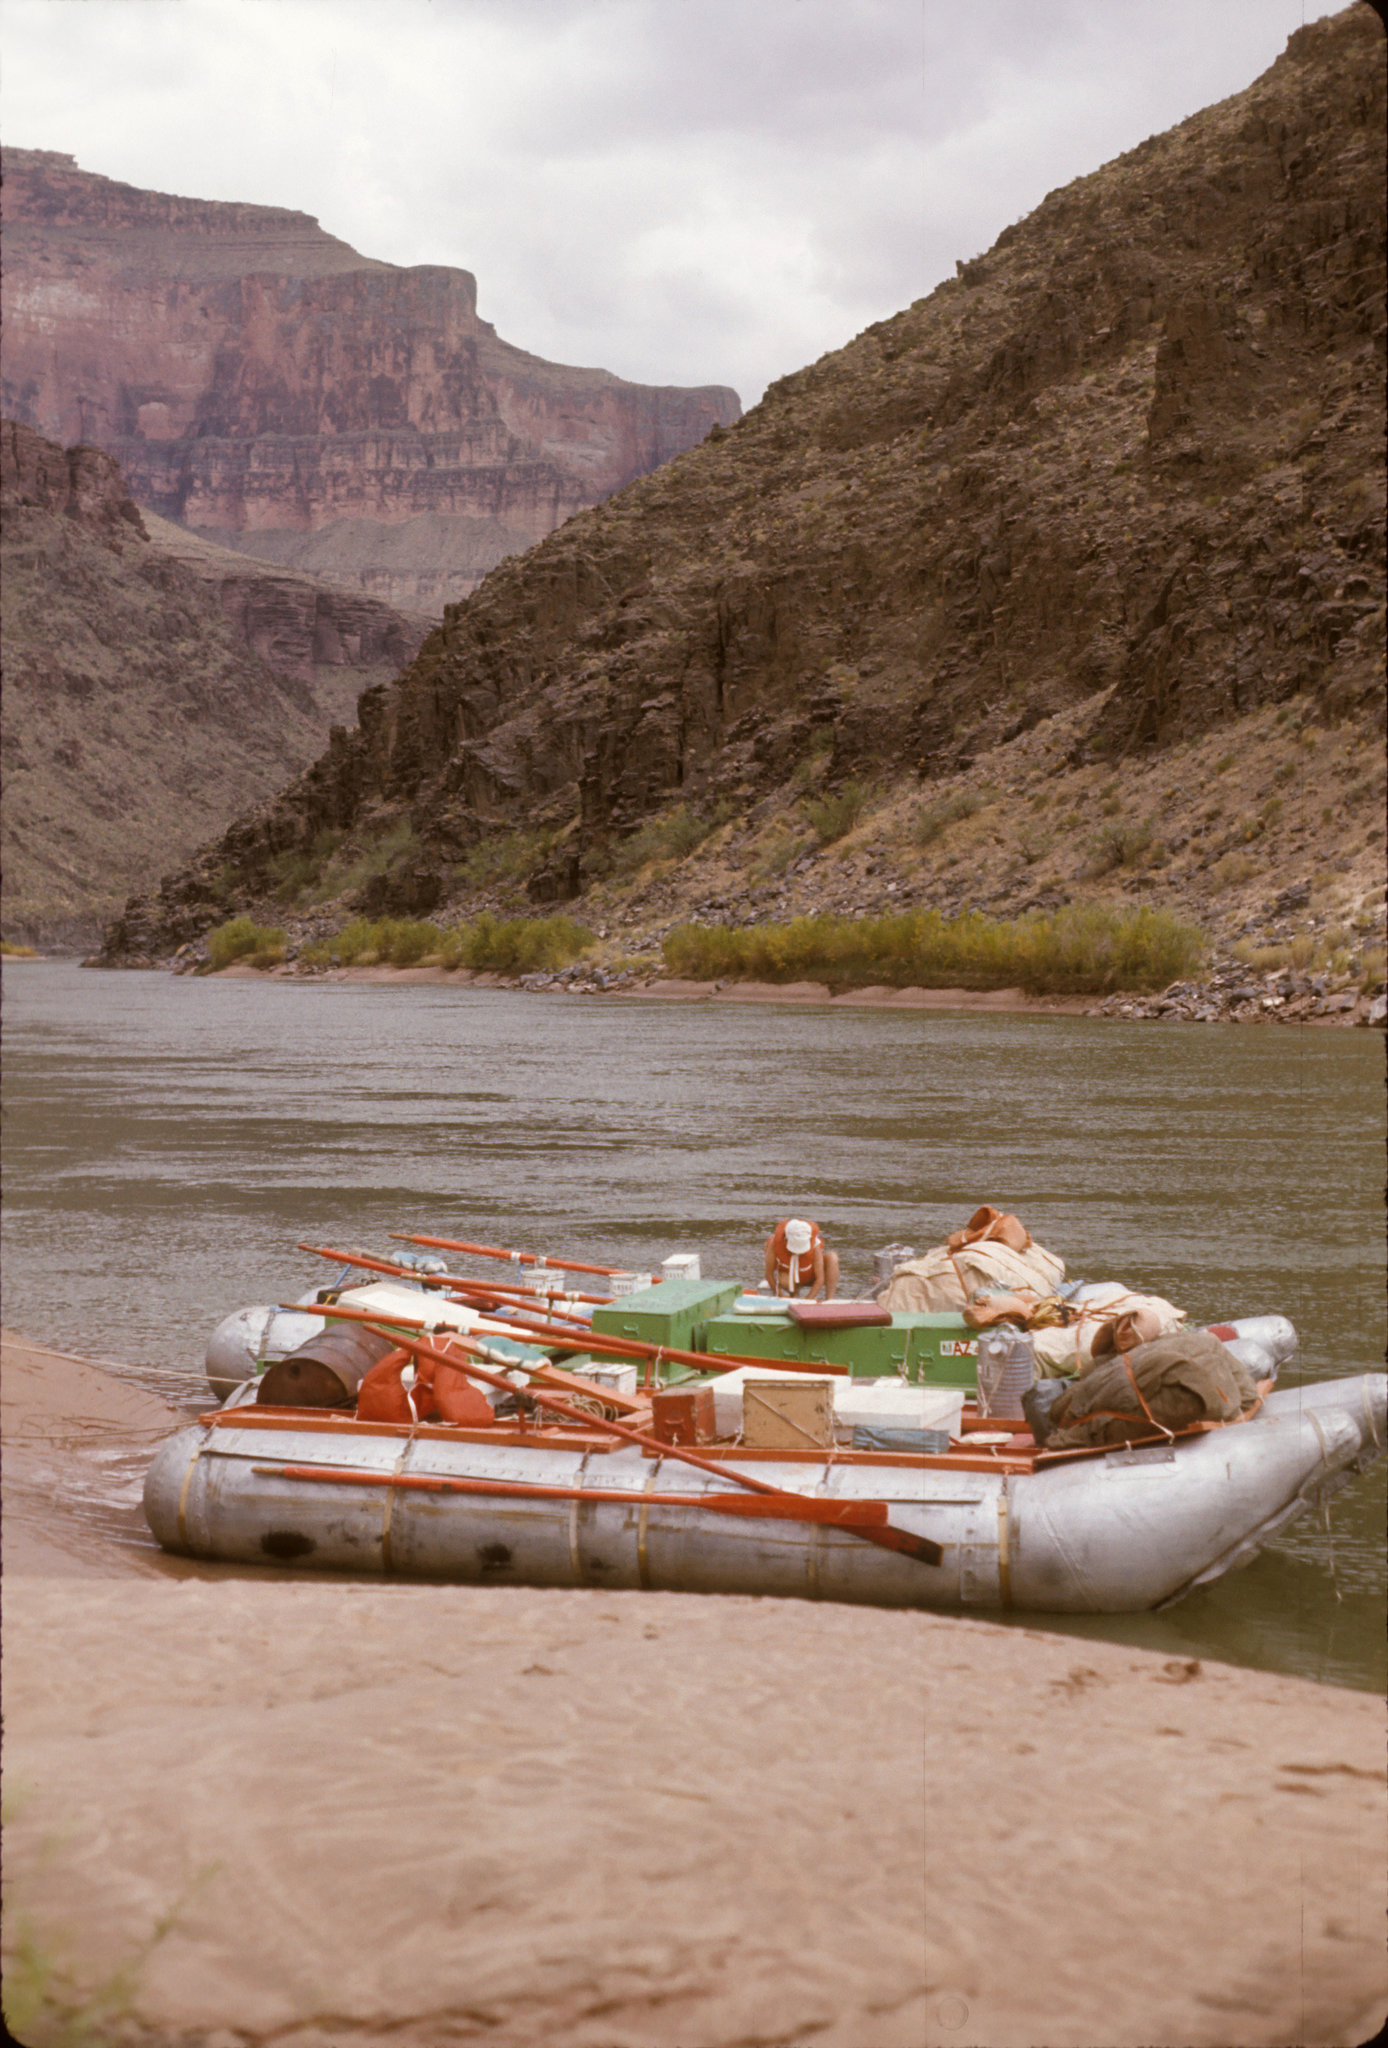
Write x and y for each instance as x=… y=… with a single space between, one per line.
x=674 y=989
x=428 y=1815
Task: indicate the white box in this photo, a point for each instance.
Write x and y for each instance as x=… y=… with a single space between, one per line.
x=883 y=1404
x=628 y=1283
x=681 y=1266
x=604 y=1372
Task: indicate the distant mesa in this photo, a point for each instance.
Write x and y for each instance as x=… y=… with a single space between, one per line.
x=266 y=387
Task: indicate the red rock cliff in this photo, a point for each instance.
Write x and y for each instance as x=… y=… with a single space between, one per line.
x=264 y=385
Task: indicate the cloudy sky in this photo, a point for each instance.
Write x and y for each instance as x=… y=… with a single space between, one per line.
x=683 y=191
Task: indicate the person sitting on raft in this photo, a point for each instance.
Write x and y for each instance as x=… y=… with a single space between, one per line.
x=798 y=1262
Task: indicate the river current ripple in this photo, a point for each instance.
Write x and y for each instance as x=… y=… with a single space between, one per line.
x=169 y=1140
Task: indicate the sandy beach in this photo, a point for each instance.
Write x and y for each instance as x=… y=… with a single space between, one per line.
x=675 y=989
x=369 y=1814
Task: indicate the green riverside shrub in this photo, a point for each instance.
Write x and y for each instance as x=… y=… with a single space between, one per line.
x=404 y=941
x=1081 y=950
x=515 y=945
x=241 y=938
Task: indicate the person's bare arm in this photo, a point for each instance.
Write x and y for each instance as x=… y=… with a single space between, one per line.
x=770 y=1265
x=817 y=1292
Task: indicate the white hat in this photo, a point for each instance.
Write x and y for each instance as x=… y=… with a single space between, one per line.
x=798 y=1236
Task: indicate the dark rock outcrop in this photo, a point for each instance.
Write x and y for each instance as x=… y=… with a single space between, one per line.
x=149 y=694
x=265 y=386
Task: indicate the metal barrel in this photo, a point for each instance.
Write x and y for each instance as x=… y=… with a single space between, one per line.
x=326 y=1371
x=1006 y=1368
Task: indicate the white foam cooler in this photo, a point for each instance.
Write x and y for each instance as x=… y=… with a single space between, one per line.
x=603 y=1373
x=681 y=1266
x=881 y=1404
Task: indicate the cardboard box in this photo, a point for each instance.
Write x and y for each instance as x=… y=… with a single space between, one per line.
x=787 y=1415
x=886 y=1404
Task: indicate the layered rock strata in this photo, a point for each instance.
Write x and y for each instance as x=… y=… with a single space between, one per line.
x=262 y=384
x=151 y=692
x=1120 y=480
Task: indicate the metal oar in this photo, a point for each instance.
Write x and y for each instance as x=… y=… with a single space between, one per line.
x=887 y=1538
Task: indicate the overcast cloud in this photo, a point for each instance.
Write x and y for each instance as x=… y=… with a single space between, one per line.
x=683 y=191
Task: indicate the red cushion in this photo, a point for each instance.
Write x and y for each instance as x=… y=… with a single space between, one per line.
x=838 y=1315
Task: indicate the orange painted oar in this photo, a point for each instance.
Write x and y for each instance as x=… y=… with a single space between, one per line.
x=494 y=1251
x=453 y=1282
x=634 y=1348
x=834 y=1514
x=887 y=1538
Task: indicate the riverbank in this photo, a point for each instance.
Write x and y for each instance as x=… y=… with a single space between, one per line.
x=416 y=1814
x=1231 y=996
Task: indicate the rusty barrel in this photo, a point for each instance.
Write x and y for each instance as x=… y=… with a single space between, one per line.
x=326 y=1371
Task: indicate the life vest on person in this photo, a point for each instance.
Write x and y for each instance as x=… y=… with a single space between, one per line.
x=798 y=1267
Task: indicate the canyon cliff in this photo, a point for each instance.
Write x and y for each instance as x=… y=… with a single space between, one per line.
x=153 y=686
x=262 y=384
x=1099 y=521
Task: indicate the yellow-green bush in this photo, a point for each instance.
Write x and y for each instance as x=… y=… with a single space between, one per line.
x=1081 y=950
x=515 y=945
x=241 y=938
x=405 y=941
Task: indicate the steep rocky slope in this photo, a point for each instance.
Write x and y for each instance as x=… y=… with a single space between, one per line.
x=148 y=698
x=1090 y=540
x=264 y=385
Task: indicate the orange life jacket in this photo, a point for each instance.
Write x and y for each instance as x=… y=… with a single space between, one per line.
x=797 y=1266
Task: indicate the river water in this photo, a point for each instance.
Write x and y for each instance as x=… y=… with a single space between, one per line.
x=169 y=1140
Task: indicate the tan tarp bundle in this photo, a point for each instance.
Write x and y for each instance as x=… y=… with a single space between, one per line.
x=1185 y=1377
x=1112 y=1309
x=993 y=1253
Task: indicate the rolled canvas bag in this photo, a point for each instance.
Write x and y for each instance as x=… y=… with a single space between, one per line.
x=1069 y=1348
x=1184 y=1377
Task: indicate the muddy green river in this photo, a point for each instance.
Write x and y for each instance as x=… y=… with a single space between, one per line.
x=168 y=1141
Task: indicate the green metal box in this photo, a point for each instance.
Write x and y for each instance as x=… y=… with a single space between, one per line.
x=674 y=1312
x=931 y=1350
